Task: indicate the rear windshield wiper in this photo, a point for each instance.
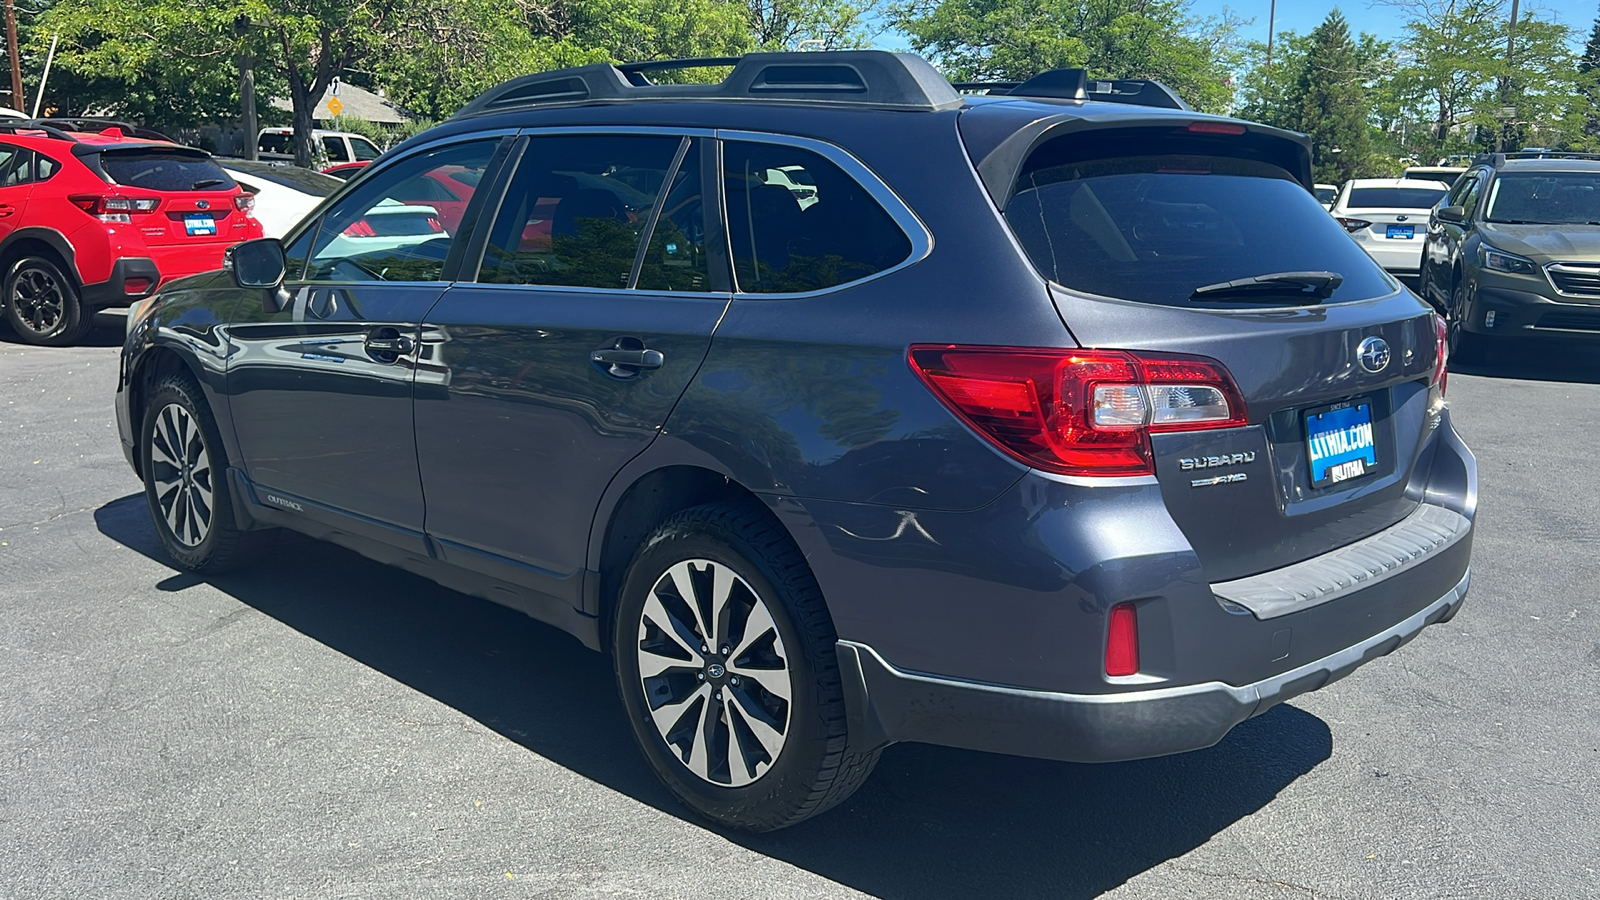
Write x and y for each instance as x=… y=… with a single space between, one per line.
x=1273 y=287
x=205 y=183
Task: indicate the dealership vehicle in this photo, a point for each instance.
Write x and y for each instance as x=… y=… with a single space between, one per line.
x=284 y=193
x=1081 y=433
x=1388 y=217
x=95 y=214
x=1326 y=194
x=1446 y=174
x=338 y=146
x=1514 y=250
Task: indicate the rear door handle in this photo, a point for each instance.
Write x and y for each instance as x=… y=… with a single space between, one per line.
x=625 y=361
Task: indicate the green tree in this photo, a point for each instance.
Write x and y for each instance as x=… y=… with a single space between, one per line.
x=1010 y=40
x=1588 y=86
x=1333 y=102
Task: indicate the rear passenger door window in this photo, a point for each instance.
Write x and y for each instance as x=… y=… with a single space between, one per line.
x=797 y=222
x=576 y=209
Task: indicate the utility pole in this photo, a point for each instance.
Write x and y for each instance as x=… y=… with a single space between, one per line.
x=247 y=88
x=17 y=100
x=1507 y=87
x=1272 y=25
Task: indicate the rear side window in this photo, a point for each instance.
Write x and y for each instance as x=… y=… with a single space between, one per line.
x=1394 y=198
x=797 y=222
x=334 y=147
x=1152 y=229
x=162 y=170
x=364 y=149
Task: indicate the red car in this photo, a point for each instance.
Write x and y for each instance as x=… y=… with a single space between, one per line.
x=91 y=219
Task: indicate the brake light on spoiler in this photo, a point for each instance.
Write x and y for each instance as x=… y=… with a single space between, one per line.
x=1079 y=412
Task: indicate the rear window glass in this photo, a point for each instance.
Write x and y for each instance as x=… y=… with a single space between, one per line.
x=1152 y=229
x=1394 y=197
x=294 y=177
x=275 y=143
x=157 y=170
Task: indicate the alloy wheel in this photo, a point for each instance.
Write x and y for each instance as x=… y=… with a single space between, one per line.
x=180 y=468
x=38 y=299
x=715 y=673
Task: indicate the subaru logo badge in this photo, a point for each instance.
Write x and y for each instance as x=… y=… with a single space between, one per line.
x=1401 y=218
x=1373 y=354
x=203 y=204
x=715 y=670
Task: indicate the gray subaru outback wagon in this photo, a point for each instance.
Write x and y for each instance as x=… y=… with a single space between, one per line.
x=841 y=407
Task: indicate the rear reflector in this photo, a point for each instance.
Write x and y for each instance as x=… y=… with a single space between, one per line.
x=135 y=286
x=1079 y=412
x=1122 y=641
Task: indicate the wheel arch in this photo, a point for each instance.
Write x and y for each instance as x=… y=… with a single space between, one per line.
x=636 y=509
x=145 y=373
x=40 y=242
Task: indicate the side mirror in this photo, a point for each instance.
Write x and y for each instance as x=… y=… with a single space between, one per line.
x=256 y=264
x=1455 y=215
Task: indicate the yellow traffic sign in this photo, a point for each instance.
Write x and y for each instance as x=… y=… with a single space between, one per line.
x=334 y=106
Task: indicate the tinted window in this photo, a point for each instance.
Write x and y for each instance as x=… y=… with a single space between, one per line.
x=1326 y=194
x=21 y=171
x=1545 y=198
x=276 y=143
x=1394 y=197
x=798 y=223
x=1474 y=186
x=7 y=153
x=364 y=149
x=1154 y=228
x=676 y=257
x=164 y=170
x=423 y=190
x=574 y=212
x=45 y=168
x=334 y=147
x=293 y=177
x=374 y=235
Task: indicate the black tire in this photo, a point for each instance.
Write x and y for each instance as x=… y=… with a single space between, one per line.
x=813 y=768
x=185 y=482
x=42 y=303
x=1465 y=346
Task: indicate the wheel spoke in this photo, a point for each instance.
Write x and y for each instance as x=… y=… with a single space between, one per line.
x=668 y=714
x=722 y=582
x=756 y=625
x=771 y=739
x=734 y=750
x=669 y=625
x=652 y=664
x=683 y=579
x=776 y=681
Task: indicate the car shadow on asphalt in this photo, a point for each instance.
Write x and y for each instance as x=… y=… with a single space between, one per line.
x=1565 y=361
x=107 y=332
x=931 y=822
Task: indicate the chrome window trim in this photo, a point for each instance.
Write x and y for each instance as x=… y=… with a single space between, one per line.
x=913 y=228
x=564 y=289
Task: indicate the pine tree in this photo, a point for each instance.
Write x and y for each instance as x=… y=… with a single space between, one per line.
x=1333 y=103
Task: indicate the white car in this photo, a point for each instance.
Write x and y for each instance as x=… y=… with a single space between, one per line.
x=340 y=146
x=284 y=193
x=1326 y=194
x=1388 y=217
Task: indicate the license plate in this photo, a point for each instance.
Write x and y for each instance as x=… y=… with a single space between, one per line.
x=1339 y=443
x=1400 y=232
x=199 y=223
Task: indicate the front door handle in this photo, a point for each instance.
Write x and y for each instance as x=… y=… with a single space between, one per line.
x=626 y=358
x=387 y=344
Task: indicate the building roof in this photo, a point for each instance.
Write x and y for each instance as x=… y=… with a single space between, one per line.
x=355 y=102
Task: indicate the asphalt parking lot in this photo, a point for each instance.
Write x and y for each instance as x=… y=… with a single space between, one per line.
x=327 y=727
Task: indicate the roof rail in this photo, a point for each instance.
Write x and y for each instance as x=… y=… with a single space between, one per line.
x=867 y=78
x=58 y=127
x=1075 y=84
x=985 y=87
x=1539 y=154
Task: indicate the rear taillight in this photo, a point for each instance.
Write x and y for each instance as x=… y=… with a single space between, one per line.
x=1440 y=378
x=244 y=202
x=1079 y=412
x=1122 y=640
x=435 y=225
x=359 y=228
x=112 y=207
x=1353 y=225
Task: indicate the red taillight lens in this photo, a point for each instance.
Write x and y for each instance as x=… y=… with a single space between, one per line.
x=1441 y=367
x=1079 y=412
x=1353 y=225
x=435 y=226
x=114 y=207
x=1122 y=641
x=360 y=228
x=244 y=202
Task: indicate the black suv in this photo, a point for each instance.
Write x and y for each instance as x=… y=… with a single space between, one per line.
x=1514 y=249
x=841 y=409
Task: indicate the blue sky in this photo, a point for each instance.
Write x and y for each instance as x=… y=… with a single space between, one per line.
x=1385 y=22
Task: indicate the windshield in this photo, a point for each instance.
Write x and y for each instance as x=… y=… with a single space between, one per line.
x=1154 y=228
x=1395 y=197
x=1545 y=198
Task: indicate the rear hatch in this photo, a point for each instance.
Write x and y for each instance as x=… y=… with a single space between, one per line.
x=193 y=197
x=1391 y=215
x=1150 y=237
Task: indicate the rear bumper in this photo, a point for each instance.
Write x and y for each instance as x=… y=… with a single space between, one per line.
x=1398 y=257
x=887 y=704
x=114 y=290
